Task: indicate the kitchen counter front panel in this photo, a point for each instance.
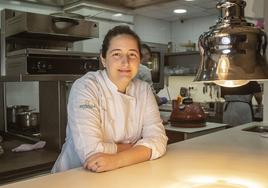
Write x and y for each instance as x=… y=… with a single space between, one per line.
x=228 y=158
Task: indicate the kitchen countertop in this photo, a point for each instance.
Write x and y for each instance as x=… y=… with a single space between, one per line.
x=14 y=166
x=209 y=125
x=231 y=158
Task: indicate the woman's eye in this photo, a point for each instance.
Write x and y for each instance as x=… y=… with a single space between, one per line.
x=133 y=55
x=116 y=54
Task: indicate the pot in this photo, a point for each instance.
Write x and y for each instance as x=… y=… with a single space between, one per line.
x=188 y=114
x=12 y=111
x=28 y=120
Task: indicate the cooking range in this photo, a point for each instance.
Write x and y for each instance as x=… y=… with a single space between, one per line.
x=49 y=61
x=43 y=44
x=38 y=49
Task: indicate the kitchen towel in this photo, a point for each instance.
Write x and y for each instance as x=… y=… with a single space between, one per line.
x=264 y=135
x=29 y=147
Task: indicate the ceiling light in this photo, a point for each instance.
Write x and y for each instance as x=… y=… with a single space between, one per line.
x=118 y=15
x=179 y=11
x=233 y=50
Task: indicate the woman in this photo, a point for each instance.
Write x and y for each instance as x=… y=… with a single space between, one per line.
x=113 y=119
x=145 y=74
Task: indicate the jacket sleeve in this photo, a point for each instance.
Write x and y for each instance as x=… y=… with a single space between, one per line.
x=84 y=120
x=153 y=132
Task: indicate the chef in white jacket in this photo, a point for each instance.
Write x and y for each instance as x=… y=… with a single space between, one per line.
x=113 y=119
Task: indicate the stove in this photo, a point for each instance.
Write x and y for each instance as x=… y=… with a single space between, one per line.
x=48 y=61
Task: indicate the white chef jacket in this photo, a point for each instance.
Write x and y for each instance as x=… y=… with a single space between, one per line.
x=99 y=117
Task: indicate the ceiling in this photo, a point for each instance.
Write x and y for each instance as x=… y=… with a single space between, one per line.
x=158 y=9
x=197 y=8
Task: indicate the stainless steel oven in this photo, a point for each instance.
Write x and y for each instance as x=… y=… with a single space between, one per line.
x=157 y=64
x=41 y=44
x=38 y=48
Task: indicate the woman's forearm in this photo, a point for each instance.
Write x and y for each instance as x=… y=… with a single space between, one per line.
x=101 y=162
x=123 y=147
x=134 y=155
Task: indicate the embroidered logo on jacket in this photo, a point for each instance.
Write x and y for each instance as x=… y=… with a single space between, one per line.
x=87 y=105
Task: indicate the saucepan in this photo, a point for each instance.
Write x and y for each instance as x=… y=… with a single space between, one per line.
x=28 y=119
x=12 y=111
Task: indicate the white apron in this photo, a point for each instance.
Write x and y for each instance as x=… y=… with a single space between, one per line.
x=237 y=109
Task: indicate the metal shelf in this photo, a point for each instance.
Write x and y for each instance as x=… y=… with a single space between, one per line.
x=182 y=53
x=43 y=77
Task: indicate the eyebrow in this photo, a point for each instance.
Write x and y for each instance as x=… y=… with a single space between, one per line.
x=121 y=50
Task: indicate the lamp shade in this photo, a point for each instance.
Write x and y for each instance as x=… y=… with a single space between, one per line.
x=233 y=51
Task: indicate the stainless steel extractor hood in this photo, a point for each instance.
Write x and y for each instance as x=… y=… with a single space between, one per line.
x=27 y=25
x=233 y=51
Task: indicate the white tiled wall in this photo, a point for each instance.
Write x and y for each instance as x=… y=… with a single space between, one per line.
x=23 y=93
x=94 y=45
x=148 y=29
x=28 y=7
x=152 y=30
x=253 y=9
x=189 y=30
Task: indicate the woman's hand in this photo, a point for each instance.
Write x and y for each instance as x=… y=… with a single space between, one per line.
x=101 y=162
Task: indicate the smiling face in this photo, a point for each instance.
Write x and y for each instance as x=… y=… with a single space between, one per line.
x=122 y=60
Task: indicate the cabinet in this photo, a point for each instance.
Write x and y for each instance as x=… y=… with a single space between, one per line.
x=182 y=63
x=53 y=95
x=176 y=134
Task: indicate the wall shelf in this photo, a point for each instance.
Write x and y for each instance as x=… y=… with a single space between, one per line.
x=182 y=63
x=182 y=53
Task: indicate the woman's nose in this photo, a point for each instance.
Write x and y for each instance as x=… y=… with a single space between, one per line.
x=125 y=60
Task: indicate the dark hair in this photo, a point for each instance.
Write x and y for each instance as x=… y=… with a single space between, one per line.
x=118 y=30
x=145 y=46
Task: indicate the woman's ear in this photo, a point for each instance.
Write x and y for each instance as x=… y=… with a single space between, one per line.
x=102 y=61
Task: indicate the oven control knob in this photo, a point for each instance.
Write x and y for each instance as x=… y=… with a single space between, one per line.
x=87 y=66
x=41 y=66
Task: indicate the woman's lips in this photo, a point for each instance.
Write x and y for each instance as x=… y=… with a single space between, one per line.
x=124 y=71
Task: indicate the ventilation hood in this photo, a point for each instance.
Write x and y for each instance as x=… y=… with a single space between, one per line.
x=233 y=50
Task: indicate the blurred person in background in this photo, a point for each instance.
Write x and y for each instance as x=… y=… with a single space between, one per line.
x=145 y=73
x=238 y=107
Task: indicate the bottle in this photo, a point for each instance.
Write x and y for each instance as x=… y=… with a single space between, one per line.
x=169 y=47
